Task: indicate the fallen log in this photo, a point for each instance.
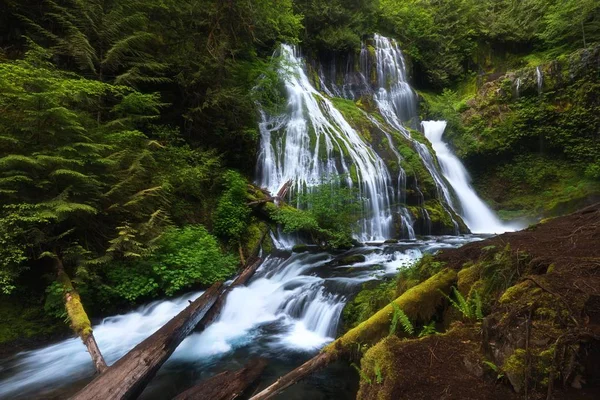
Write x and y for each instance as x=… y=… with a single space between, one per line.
x=79 y=320
x=227 y=385
x=418 y=303
x=128 y=377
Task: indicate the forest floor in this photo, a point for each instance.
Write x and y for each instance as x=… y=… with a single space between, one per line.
x=557 y=306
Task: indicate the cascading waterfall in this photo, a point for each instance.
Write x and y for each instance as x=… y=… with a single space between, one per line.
x=478 y=217
x=540 y=79
x=397 y=104
x=312 y=142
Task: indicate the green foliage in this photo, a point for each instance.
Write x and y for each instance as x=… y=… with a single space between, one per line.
x=329 y=212
x=190 y=256
x=232 y=214
x=400 y=316
x=428 y=329
x=471 y=307
x=336 y=25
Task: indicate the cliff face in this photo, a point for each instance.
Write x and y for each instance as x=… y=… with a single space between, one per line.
x=529 y=136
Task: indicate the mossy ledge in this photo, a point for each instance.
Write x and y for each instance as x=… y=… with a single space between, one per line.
x=540 y=326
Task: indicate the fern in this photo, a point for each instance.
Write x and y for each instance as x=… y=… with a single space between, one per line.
x=428 y=329
x=470 y=308
x=400 y=316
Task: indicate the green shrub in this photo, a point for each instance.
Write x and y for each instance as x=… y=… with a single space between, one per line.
x=232 y=214
x=188 y=256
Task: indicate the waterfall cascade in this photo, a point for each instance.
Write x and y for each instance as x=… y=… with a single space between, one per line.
x=312 y=142
x=540 y=79
x=478 y=217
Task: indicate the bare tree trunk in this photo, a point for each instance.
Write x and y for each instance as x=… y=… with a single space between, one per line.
x=314 y=364
x=128 y=377
x=226 y=385
x=80 y=323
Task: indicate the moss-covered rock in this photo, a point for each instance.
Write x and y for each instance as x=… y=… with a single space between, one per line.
x=352 y=259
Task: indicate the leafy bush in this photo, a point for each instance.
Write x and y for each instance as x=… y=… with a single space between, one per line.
x=188 y=256
x=232 y=213
x=329 y=212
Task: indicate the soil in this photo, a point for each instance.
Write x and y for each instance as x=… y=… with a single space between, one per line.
x=563 y=261
x=445 y=367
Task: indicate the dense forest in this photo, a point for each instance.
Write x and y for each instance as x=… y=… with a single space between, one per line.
x=129 y=131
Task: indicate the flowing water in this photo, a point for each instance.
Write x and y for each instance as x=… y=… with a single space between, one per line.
x=289 y=310
x=312 y=142
x=293 y=304
x=476 y=214
x=540 y=79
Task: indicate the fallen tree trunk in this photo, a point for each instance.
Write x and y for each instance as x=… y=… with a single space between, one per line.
x=80 y=322
x=227 y=385
x=128 y=377
x=418 y=303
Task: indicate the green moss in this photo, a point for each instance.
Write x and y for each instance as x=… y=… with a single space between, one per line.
x=352 y=259
x=22 y=319
x=372 y=297
x=467 y=278
x=515 y=368
x=253 y=236
x=419 y=303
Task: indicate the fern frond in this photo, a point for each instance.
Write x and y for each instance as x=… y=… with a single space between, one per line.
x=400 y=316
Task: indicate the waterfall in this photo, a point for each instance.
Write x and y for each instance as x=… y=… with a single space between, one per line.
x=397 y=103
x=478 y=217
x=540 y=79
x=312 y=142
x=518 y=88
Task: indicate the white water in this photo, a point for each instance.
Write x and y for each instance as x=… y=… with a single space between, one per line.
x=312 y=142
x=540 y=79
x=68 y=360
x=476 y=214
x=397 y=103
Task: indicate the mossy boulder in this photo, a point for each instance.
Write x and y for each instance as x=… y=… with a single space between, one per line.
x=300 y=248
x=352 y=259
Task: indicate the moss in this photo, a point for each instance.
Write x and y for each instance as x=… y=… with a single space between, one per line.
x=467 y=278
x=253 y=235
x=22 y=319
x=373 y=296
x=299 y=248
x=79 y=320
x=515 y=368
x=418 y=303
x=352 y=259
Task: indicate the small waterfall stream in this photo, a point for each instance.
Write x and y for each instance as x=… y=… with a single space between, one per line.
x=478 y=217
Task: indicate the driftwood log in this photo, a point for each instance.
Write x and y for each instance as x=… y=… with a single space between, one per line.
x=227 y=385
x=418 y=303
x=128 y=377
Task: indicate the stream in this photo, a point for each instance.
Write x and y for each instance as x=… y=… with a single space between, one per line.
x=289 y=310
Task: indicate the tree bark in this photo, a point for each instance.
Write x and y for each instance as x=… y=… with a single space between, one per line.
x=128 y=377
x=314 y=364
x=227 y=385
x=418 y=303
x=80 y=323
